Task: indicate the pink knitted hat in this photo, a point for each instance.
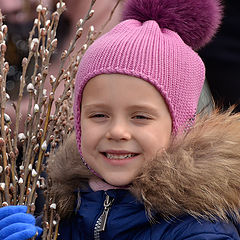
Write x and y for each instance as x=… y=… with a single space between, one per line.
x=155 y=44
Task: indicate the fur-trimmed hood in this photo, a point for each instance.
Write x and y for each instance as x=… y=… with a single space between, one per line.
x=199 y=174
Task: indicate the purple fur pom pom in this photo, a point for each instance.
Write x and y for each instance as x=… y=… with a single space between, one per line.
x=195 y=21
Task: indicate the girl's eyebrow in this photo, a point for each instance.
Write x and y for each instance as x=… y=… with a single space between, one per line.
x=144 y=107
x=94 y=105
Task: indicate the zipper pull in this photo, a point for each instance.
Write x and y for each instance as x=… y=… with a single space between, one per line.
x=107 y=205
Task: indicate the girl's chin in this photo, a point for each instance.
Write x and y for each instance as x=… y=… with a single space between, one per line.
x=118 y=184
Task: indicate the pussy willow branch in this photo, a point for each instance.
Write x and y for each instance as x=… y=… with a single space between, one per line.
x=18 y=183
x=3 y=145
x=12 y=155
x=55 y=85
x=3 y=73
x=20 y=95
x=45 y=57
x=25 y=63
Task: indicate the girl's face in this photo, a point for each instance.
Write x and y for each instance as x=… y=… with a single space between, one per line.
x=124 y=123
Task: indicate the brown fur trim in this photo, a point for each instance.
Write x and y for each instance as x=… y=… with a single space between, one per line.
x=199 y=174
x=67 y=174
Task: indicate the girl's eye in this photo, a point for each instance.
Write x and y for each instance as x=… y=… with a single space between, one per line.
x=99 y=115
x=144 y=117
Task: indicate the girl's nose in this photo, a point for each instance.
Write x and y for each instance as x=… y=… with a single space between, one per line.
x=118 y=131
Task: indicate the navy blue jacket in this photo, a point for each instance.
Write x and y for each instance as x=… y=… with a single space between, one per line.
x=127 y=220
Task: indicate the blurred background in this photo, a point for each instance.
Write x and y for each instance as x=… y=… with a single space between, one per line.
x=222 y=59
x=19 y=16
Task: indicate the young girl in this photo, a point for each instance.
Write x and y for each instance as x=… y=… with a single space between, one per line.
x=139 y=165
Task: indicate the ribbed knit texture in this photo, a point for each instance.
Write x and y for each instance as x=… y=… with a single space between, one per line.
x=158 y=56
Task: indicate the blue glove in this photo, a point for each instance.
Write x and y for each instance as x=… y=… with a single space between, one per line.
x=16 y=224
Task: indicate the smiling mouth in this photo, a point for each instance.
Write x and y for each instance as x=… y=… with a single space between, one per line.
x=115 y=156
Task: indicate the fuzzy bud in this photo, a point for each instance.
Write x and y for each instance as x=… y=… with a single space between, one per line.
x=7 y=118
x=24 y=62
x=46 y=224
x=39 y=8
x=38 y=77
x=34 y=44
x=59 y=5
x=44 y=10
x=48 y=22
x=30 y=167
x=43 y=32
x=34 y=140
x=36 y=108
x=2 y=186
x=53 y=206
x=91 y=13
x=1 y=169
x=91 y=28
x=7 y=97
x=44 y=92
x=69 y=92
x=44 y=146
x=36 y=22
x=51 y=96
x=6 y=66
x=36 y=148
x=40 y=132
x=45 y=71
x=4 y=29
x=52 y=79
x=34 y=173
x=46 y=52
x=6 y=129
x=79 y=32
x=30 y=88
x=12 y=155
x=84 y=47
x=78 y=59
x=3 y=48
x=28 y=191
x=81 y=21
x=54 y=43
x=64 y=54
x=20 y=181
x=21 y=137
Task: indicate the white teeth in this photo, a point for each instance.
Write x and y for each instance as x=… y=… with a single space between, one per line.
x=117 y=156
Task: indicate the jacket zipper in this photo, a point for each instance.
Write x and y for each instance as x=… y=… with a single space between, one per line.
x=102 y=220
